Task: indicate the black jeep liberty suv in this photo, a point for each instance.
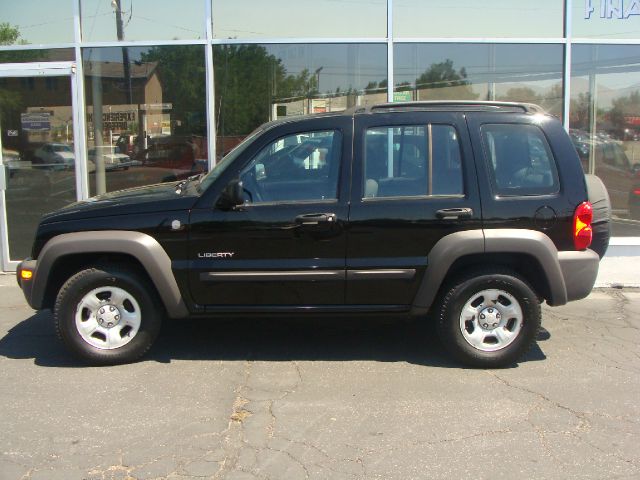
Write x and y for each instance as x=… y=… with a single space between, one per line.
x=468 y=214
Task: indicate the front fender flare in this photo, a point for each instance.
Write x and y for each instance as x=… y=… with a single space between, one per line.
x=141 y=246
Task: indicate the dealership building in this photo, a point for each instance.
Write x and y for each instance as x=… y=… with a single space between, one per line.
x=101 y=95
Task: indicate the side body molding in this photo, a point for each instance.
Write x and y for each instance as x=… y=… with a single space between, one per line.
x=456 y=245
x=139 y=245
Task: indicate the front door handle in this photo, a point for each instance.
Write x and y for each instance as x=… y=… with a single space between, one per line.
x=311 y=219
x=454 y=213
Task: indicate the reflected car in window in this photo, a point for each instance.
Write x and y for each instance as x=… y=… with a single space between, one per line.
x=181 y=155
x=111 y=157
x=54 y=156
x=612 y=165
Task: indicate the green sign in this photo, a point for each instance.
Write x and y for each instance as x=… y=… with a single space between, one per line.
x=403 y=96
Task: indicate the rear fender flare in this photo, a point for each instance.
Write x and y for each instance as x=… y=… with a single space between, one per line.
x=459 y=244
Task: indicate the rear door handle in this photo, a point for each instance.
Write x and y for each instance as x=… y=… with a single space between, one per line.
x=311 y=219
x=454 y=213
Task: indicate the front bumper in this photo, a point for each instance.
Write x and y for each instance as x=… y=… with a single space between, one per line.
x=27 y=285
x=579 y=270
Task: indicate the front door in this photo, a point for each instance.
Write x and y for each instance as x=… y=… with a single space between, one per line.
x=286 y=245
x=38 y=154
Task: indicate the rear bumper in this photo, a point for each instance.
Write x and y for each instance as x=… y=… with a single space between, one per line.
x=579 y=270
x=27 y=285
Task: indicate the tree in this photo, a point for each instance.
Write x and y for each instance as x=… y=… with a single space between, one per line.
x=621 y=109
x=181 y=72
x=520 y=94
x=249 y=81
x=11 y=103
x=444 y=76
x=8 y=34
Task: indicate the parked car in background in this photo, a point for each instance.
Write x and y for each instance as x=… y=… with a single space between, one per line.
x=129 y=145
x=180 y=155
x=111 y=157
x=13 y=161
x=612 y=165
x=54 y=156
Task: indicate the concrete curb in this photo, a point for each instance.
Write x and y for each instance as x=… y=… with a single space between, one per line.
x=618 y=267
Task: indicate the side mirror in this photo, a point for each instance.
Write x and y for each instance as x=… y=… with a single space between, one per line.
x=232 y=195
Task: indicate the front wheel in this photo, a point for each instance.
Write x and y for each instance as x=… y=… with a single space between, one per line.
x=107 y=315
x=488 y=319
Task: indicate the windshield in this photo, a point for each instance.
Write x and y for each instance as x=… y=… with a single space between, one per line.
x=227 y=160
x=61 y=148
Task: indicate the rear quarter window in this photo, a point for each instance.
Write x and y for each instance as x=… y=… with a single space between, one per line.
x=519 y=160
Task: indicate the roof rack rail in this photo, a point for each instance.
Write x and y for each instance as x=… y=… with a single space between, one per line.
x=525 y=107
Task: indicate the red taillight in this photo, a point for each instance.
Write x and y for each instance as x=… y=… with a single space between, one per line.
x=582 y=232
x=636 y=191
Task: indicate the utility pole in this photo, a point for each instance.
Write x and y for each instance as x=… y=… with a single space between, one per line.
x=125 y=51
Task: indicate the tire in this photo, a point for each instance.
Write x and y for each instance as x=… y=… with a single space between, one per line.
x=601 y=224
x=107 y=315
x=507 y=304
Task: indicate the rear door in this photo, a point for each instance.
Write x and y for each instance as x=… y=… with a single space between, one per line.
x=529 y=171
x=414 y=182
x=285 y=247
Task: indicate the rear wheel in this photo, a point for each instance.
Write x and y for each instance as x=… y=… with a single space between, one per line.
x=107 y=315
x=488 y=318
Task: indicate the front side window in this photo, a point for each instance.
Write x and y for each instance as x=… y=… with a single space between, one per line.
x=520 y=160
x=412 y=161
x=300 y=167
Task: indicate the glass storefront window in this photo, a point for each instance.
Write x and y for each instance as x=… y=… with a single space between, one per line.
x=146 y=115
x=35 y=21
x=258 y=83
x=142 y=20
x=470 y=18
x=501 y=72
x=303 y=18
x=606 y=19
x=605 y=124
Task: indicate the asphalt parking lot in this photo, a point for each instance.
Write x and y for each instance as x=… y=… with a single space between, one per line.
x=324 y=399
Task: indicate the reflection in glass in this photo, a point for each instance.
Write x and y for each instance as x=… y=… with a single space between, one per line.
x=501 y=72
x=471 y=18
x=299 y=167
x=142 y=20
x=258 y=83
x=25 y=56
x=35 y=21
x=605 y=124
x=302 y=19
x=37 y=153
x=146 y=119
x=605 y=19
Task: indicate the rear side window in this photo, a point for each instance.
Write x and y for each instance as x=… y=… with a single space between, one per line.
x=412 y=161
x=520 y=160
